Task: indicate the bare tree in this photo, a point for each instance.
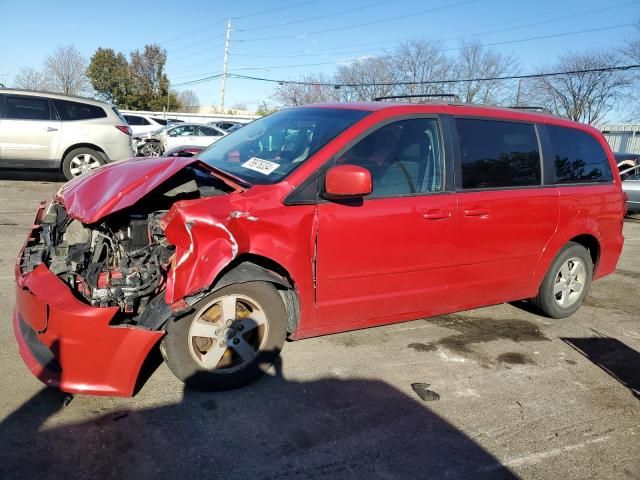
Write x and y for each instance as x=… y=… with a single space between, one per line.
x=66 y=71
x=477 y=61
x=189 y=101
x=420 y=61
x=311 y=89
x=587 y=96
x=631 y=51
x=30 y=79
x=366 y=79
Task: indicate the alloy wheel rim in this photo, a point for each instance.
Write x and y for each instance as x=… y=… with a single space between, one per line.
x=569 y=282
x=152 y=150
x=228 y=333
x=83 y=163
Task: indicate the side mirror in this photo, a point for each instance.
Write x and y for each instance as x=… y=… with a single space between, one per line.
x=347 y=181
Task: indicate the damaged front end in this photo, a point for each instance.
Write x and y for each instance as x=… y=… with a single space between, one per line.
x=91 y=288
x=119 y=262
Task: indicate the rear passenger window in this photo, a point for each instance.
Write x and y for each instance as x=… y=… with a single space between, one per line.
x=578 y=156
x=403 y=157
x=27 y=108
x=498 y=154
x=78 y=111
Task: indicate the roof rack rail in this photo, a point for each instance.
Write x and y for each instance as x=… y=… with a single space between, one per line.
x=449 y=96
x=532 y=108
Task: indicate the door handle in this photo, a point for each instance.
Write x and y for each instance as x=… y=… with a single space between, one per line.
x=476 y=212
x=435 y=214
x=51 y=129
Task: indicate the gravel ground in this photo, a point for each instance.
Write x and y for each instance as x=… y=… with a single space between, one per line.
x=520 y=396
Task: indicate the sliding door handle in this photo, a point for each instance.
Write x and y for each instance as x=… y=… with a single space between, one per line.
x=476 y=212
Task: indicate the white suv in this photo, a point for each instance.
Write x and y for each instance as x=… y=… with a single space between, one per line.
x=76 y=135
x=141 y=124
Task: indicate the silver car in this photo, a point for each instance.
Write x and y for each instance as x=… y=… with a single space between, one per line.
x=631 y=186
x=73 y=134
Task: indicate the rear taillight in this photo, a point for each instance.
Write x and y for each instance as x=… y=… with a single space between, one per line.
x=625 y=207
x=124 y=129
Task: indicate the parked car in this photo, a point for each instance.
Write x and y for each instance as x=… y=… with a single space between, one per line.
x=141 y=123
x=225 y=124
x=73 y=134
x=174 y=136
x=310 y=221
x=631 y=186
x=184 y=151
x=625 y=161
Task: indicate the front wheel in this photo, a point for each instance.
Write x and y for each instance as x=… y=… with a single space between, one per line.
x=567 y=282
x=234 y=335
x=152 y=149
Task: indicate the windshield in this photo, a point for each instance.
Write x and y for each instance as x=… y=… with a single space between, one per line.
x=268 y=149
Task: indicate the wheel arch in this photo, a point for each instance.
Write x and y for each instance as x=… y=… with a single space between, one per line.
x=591 y=243
x=248 y=267
x=587 y=238
x=92 y=146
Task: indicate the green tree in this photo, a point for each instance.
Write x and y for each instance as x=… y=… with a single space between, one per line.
x=149 y=83
x=109 y=75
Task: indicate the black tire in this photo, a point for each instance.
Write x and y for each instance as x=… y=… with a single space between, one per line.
x=547 y=301
x=180 y=349
x=70 y=170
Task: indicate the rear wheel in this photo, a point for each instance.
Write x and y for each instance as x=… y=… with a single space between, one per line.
x=567 y=282
x=80 y=161
x=234 y=335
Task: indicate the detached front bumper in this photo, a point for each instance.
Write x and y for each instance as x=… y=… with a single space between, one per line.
x=71 y=345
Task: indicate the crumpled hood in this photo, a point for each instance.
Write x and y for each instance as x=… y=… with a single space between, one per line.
x=118 y=185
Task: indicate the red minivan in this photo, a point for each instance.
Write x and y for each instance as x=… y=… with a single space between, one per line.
x=311 y=221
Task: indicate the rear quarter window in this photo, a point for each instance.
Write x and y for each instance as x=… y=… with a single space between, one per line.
x=578 y=157
x=69 y=110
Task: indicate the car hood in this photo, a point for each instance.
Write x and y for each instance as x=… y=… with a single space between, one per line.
x=118 y=185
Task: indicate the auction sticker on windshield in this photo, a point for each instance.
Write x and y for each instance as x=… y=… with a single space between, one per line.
x=260 y=165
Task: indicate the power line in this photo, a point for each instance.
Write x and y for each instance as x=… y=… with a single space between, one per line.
x=426 y=82
x=506 y=42
x=200 y=80
x=542 y=22
x=193 y=32
x=197 y=43
x=265 y=12
x=346 y=27
x=436 y=82
x=319 y=17
x=208 y=49
x=349 y=51
x=223 y=20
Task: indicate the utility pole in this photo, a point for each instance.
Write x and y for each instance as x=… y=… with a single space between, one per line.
x=224 y=66
x=518 y=93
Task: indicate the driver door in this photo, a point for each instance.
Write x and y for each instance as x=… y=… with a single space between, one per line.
x=387 y=257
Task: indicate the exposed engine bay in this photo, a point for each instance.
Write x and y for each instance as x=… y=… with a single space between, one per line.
x=123 y=259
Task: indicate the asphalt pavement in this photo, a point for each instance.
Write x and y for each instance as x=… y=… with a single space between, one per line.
x=520 y=395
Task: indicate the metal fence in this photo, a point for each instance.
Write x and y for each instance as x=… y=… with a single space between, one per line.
x=623 y=138
x=196 y=117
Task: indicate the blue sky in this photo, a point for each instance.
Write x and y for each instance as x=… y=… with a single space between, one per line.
x=193 y=33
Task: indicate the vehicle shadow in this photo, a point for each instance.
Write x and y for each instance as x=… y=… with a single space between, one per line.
x=27 y=174
x=614 y=357
x=276 y=428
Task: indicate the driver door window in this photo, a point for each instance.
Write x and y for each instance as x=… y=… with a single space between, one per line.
x=404 y=158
